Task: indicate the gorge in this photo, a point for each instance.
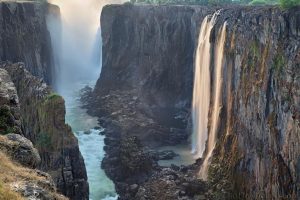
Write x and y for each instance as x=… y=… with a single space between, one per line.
x=136 y=86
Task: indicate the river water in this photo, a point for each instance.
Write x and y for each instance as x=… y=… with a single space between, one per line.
x=91 y=143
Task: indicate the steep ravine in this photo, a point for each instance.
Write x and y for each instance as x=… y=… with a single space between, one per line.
x=41 y=119
x=42 y=115
x=143 y=99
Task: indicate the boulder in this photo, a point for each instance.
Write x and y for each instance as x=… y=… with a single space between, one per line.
x=20 y=149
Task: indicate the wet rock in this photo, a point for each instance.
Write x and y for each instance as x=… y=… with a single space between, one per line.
x=166 y=155
x=87 y=132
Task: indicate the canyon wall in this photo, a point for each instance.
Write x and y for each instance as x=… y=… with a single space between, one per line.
x=40 y=116
x=258 y=138
x=24 y=37
x=145 y=91
x=147 y=60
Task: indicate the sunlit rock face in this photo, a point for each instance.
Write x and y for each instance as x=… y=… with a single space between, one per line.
x=24 y=37
x=147 y=79
x=258 y=137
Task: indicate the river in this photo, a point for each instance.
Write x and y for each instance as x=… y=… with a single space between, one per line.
x=91 y=143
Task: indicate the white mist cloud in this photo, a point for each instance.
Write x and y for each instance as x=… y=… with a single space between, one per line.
x=80 y=39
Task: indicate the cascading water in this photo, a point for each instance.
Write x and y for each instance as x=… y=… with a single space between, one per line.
x=219 y=52
x=76 y=40
x=201 y=93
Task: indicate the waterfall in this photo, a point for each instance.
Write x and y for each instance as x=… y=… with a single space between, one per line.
x=218 y=60
x=80 y=21
x=77 y=43
x=201 y=93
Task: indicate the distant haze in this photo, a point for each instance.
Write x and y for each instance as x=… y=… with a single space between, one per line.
x=77 y=40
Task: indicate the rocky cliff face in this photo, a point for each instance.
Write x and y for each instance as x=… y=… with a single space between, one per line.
x=42 y=117
x=147 y=69
x=18 y=177
x=259 y=129
x=32 y=108
x=17 y=181
x=24 y=37
x=143 y=96
x=145 y=90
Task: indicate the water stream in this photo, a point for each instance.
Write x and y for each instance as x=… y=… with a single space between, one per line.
x=91 y=144
x=76 y=41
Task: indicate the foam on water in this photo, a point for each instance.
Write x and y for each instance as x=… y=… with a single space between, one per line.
x=91 y=144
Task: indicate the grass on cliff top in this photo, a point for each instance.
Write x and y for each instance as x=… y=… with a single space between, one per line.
x=53 y=96
x=6 y=194
x=12 y=172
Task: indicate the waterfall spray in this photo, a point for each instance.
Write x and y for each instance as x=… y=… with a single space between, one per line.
x=218 y=58
x=201 y=93
x=79 y=26
x=76 y=42
x=80 y=48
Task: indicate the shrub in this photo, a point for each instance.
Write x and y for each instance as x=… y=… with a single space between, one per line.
x=279 y=62
x=6 y=124
x=43 y=141
x=289 y=3
x=53 y=96
x=258 y=2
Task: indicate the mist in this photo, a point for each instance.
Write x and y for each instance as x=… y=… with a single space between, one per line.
x=76 y=41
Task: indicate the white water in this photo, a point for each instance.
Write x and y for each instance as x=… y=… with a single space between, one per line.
x=91 y=145
x=201 y=93
x=76 y=40
x=219 y=52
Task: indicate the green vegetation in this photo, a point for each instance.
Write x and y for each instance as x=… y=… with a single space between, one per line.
x=43 y=141
x=6 y=123
x=289 y=3
x=258 y=2
x=279 y=62
x=283 y=3
x=53 y=96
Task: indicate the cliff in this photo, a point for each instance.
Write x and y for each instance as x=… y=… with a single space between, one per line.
x=258 y=137
x=145 y=91
x=41 y=114
x=24 y=37
x=147 y=60
x=19 y=178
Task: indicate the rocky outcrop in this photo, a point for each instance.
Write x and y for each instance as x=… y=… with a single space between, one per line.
x=42 y=116
x=145 y=90
x=18 y=182
x=10 y=121
x=20 y=149
x=24 y=37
